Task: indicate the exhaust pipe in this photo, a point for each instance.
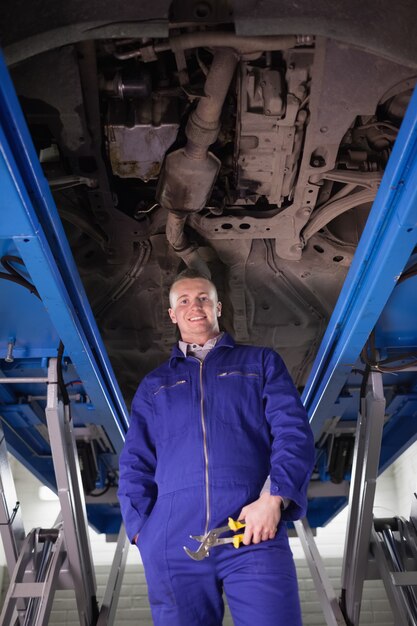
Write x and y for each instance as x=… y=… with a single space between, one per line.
x=189 y=174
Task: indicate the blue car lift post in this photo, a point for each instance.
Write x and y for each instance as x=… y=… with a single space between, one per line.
x=379 y=296
x=52 y=353
x=43 y=431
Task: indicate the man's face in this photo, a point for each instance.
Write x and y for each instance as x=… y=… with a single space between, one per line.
x=196 y=309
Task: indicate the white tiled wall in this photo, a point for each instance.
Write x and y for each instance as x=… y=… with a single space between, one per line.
x=393 y=496
x=405 y=480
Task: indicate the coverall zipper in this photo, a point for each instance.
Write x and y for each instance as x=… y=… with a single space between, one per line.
x=205 y=449
x=203 y=424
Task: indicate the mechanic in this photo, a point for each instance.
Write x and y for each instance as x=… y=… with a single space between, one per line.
x=207 y=428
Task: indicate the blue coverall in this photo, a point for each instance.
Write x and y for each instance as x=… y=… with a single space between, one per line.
x=203 y=438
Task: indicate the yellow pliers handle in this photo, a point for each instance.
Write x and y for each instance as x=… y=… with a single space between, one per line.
x=236 y=525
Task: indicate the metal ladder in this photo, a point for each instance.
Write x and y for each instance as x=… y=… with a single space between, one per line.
x=374 y=549
x=57 y=558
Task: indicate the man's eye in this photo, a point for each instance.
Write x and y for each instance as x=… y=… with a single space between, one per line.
x=203 y=298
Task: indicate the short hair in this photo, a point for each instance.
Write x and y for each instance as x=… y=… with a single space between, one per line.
x=190 y=273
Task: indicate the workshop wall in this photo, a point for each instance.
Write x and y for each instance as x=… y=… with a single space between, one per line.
x=404 y=473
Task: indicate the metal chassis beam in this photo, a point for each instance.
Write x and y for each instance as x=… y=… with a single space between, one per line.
x=114 y=583
x=361 y=497
x=40 y=592
x=11 y=523
x=394 y=592
x=413 y=512
x=71 y=499
x=329 y=603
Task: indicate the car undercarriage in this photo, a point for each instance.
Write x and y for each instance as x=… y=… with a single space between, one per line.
x=205 y=136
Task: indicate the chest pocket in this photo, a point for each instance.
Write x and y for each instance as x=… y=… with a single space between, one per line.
x=172 y=402
x=239 y=396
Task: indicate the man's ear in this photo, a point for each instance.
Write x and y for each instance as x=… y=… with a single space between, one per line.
x=219 y=309
x=172 y=315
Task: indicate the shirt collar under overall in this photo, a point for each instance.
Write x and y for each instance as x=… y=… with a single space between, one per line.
x=223 y=341
x=199 y=351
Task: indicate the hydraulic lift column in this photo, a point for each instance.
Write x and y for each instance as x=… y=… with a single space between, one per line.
x=361 y=498
x=35 y=570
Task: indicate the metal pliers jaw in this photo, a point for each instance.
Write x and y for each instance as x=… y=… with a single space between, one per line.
x=213 y=539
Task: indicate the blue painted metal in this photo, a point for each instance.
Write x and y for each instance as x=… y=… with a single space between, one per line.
x=34 y=335
x=38 y=235
x=371 y=300
x=385 y=247
x=397 y=328
x=30 y=228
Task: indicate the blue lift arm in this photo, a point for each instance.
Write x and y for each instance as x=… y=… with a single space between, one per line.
x=385 y=248
x=31 y=230
x=374 y=298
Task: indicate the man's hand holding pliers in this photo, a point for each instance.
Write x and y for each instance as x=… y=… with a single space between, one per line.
x=261 y=518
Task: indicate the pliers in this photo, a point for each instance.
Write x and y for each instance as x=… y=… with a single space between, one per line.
x=212 y=539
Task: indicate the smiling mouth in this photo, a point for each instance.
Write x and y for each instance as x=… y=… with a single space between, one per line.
x=197 y=319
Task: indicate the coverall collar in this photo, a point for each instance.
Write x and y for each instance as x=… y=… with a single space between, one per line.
x=226 y=342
